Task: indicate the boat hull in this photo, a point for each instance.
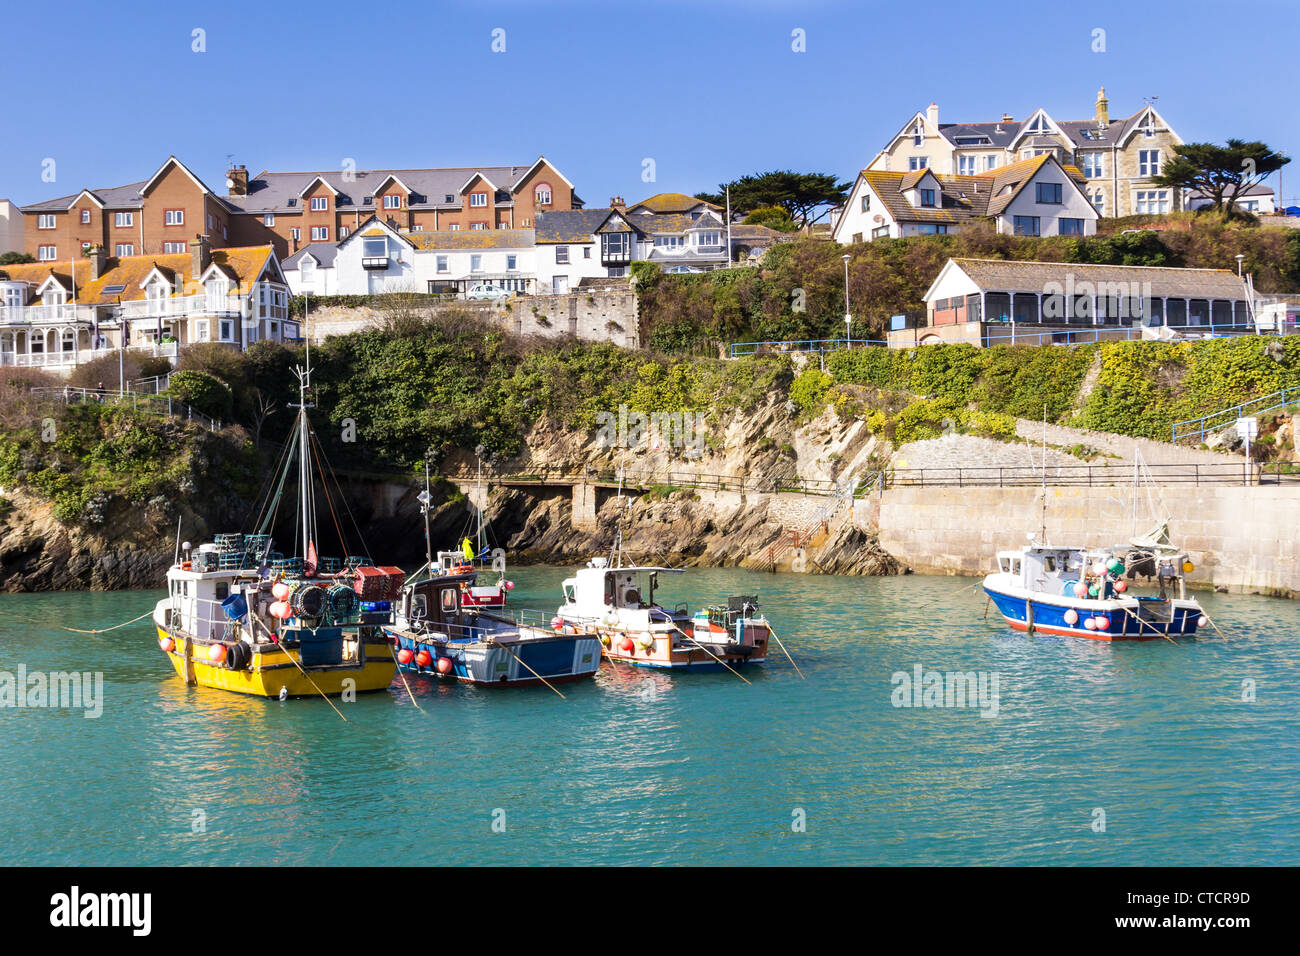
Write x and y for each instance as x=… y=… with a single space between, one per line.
x=668 y=650
x=522 y=663
x=270 y=673
x=1125 y=618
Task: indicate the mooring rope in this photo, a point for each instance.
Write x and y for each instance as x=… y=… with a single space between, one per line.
x=105 y=630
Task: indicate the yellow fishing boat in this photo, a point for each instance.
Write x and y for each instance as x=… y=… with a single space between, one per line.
x=241 y=617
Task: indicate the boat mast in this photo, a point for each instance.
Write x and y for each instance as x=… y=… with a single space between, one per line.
x=478 y=503
x=426 y=501
x=303 y=374
x=1044 y=518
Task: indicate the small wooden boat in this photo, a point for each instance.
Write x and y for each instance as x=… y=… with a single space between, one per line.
x=619 y=604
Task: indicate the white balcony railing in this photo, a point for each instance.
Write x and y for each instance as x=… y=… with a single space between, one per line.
x=183 y=305
x=35 y=314
x=70 y=358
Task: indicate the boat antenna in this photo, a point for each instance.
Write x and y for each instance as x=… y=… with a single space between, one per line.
x=478 y=502
x=1044 y=482
x=426 y=500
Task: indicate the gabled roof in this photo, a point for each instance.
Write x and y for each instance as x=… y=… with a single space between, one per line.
x=114 y=197
x=540 y=160
x=35 y=274
x=569 y=225
x=323 y=252
x=302 y=193
x=477 y=175
x=169 y=162
x=243 y=265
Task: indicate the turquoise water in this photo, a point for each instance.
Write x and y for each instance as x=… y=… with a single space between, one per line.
x=640 y=767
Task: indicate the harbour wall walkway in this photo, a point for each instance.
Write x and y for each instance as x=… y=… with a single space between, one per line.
x=1239 y=537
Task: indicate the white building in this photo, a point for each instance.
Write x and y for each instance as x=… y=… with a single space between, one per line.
x=11 y=227
x=1033 y=197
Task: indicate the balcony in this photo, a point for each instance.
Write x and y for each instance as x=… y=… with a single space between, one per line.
x=374 y=262
x=183 y=306
x=43 y=314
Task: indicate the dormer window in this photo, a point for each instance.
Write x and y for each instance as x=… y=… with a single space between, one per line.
x=542 y=195
x=393 y=202
x=449 y=198
x=927 y=197
x=320 y=203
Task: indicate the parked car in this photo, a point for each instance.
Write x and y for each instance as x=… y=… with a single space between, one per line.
x=485 y=291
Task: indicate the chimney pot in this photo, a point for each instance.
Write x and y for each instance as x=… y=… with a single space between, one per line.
x=238 y=177
x=98 y=259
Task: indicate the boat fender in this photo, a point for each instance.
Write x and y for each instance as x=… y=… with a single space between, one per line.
x=284 y=693
x=557 y=622
x=444 y=665
x=510 y=585
x=1102 y=622
x=217 y=653
x=1071 y=616
x=1121 y=586
x=646 y=643
x=167 y=644
x=1080 y=590
x=627 y=645
x=604 y=640
x=610 y=619
x=1090 y=623
x=423 y=658
x=404 y=655
x=1202 y=621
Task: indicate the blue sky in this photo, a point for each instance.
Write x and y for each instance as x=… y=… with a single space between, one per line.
x=709 y=89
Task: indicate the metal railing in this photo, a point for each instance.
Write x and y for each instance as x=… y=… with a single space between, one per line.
x=1199 y=427
x=1008 y=333
x=27 y=314
x=162 y=405
x=739 y=349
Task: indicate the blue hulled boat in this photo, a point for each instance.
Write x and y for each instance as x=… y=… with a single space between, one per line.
x=1085 y=593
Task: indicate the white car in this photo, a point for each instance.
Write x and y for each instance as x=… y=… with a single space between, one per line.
x=484 y=291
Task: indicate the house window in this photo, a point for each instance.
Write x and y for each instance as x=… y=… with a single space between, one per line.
x=442 y=264
x=343 y=233
x=417 y=228
x=542 y=196
x=307 y=271
x=478 y=225
x=918 y=162
x=512 y=263
x=85 y=245
x=454 y=227
x=1099 y=202
x=173 y=248
x=866 y=202
x=320 y=203
x=1148 y=162
x=918 y=134
x=1153 y=201
x=124 y=249
x=927 y=197
x=475 y=263
x=201 y=330
x=1092 y=165
x=967 y=165
x=173 y=217
x=1048 y=193
x=85 y=216
x=990 y=162
x=880 y=232
x=45 y=253
x=561 y=255
x=1026 y=225
x=227 y=330
x=268 y=219
x=123 y=219
x=1070 y=227
x=478 y=199
x=703 y=239
x=320 y=233
x=586 y=252
x=393 y=202
x=929 y=229
x=45 y=221
x=667 y=242
x=295 y=233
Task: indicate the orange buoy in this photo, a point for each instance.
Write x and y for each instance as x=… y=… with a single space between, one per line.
x=167 y=644
x=217 y=653
x=444 y=665
x=424 y=658
x=404 y=655
x=557 y=622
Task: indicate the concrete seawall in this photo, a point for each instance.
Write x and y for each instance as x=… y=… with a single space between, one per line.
x=1242 y=538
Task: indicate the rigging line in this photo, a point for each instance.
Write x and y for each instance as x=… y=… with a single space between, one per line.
x=348 y=508
x=272 y=510
x=267 y=502
x=315 y=451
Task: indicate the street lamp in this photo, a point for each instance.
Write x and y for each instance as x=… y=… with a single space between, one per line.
x=848 y=316
x=1240 y=259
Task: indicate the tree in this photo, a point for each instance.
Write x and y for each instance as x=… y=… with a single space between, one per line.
x=774 y=217
x=15 y=258
x=805 y=197
x=1220 y=172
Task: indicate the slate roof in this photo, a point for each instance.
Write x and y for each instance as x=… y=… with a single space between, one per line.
x=1008 y=276
x=569 y=225
x=323 y=252
x=1083 y=133
x=472 y=239
x=114 y=197
x=271 y=192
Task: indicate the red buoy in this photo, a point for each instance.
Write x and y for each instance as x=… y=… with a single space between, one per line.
x=424 y=658
x=557 y=622
x=627 y=645
x=167 y=644
x=444 y=665
x=404 y=655
x=217 y=653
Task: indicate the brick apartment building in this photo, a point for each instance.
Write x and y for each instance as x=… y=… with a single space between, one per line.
x=289 y=210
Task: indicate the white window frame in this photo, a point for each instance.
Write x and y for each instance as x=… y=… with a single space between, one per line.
x=393 y=201
x=320 y=203
x=1148 y=162
x=477 y=200
x=124 y=249
x=123 y=220
x=442 y=265
x=268 y=219
x=561 y=255
x=173 y=217
x=46 y=253
x=46 y=220
x=320 y=233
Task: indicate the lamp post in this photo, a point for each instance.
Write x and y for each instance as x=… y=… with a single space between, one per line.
x=1240 y=259
x=848 y=316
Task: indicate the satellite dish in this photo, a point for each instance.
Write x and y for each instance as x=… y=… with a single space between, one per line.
x=230 y=183
x=878 y=218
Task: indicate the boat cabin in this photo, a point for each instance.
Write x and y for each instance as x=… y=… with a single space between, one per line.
x=435 y=602
x=598 y=587
x=1041 y=568
x=196 y=598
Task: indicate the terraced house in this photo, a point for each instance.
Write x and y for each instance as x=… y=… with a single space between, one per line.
x=1032 y=197
x=1117 y=157
x=293 y=210
x=58 y=315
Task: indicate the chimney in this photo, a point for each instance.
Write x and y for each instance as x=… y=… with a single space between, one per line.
x=98 y=259
x=237 y=180
x=1008 y=118
x=200 y=257
x=616 y=202
x=1103 y=109
x=932 y=115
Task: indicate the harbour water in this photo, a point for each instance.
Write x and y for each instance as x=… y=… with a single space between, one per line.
x=1142 y=753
